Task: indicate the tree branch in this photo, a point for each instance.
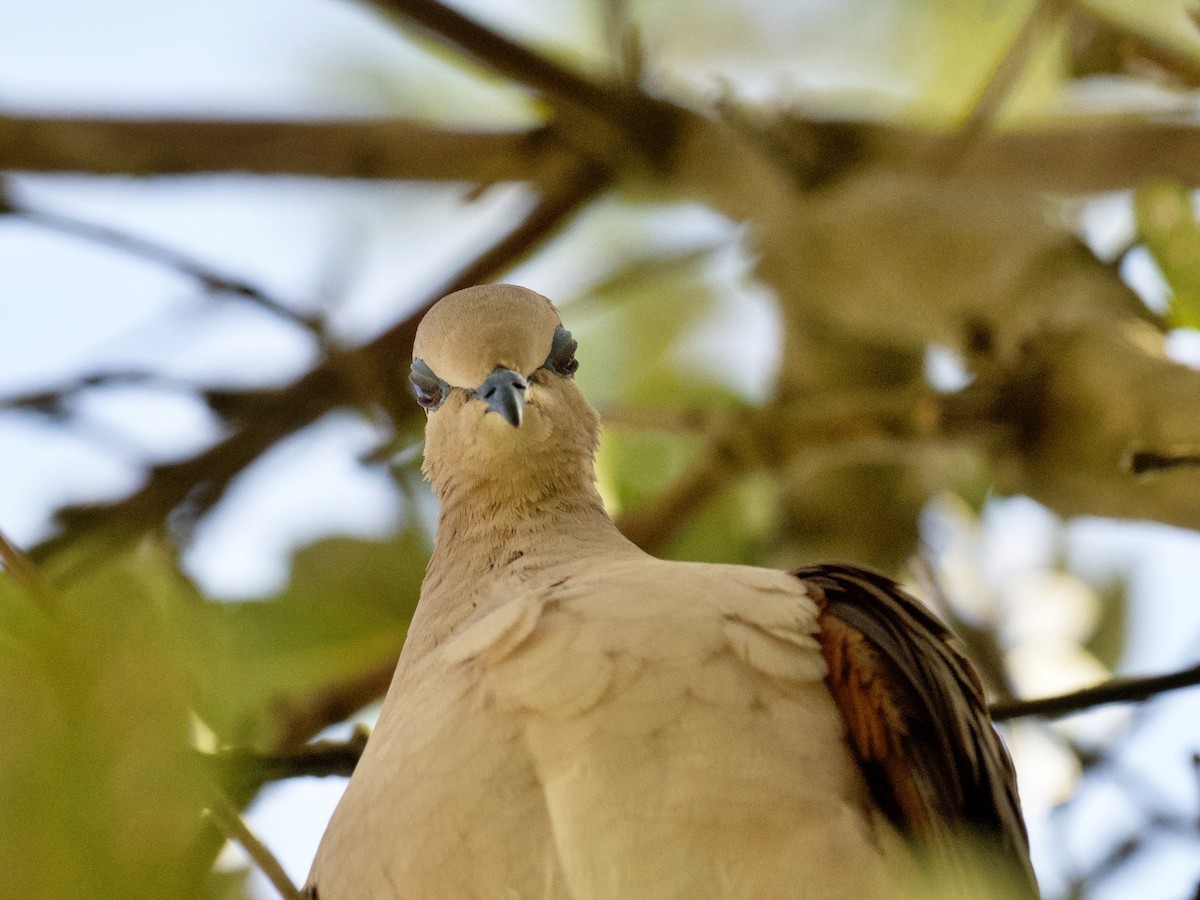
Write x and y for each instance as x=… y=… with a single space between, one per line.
x=350 y=148
x=998 y=87
x=656 y=524
x=500 y=54
x=1116 y=690
x=602 y=118
x=1143 y=462
x=238 y=768
x=133 y=245
x=229 y=822
x=338 y=758
x=346 y=377
x=1183 y=66
x=1099 y=154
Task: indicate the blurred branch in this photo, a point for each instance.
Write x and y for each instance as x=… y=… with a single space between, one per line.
x=1143 y=462
x=130 y=244
x=1116 y=690
x=1097 y=154
x=350 y=148
x=496 y=52
x=1140 y=45
x=998 y=87
x=625 y=115
x=49 y=400
x=230 y=823
x=301 y=721
x=272 y=415
x=653 y=525
x=320 y=759
x=24 y=573
x=326 y=758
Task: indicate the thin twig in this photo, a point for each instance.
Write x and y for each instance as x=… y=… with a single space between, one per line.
x=229 y=822
x=159 y=254
x=320 y=759
x=1116 y=690
x=998 y=87
x=626 y=117
x=1143 y=462
x=502 y=55
x=338 y=758
x=277 y=413
x=26 y=575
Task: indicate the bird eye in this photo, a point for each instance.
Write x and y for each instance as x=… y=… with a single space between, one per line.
x=561 y=360
x=430 y=389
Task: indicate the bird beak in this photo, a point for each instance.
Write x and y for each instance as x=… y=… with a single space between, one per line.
x=504 y=392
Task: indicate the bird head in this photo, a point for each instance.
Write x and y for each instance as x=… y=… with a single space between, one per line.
x=493 y=367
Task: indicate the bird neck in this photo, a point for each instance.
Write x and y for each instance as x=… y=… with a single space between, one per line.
x=506 y=530
x=482 y=528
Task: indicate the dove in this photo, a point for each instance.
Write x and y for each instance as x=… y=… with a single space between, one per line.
x=573 y=718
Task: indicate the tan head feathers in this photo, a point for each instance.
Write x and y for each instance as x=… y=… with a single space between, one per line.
x=468 y=334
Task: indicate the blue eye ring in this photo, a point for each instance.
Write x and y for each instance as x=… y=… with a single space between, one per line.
x=562 y=361
x=430 y=390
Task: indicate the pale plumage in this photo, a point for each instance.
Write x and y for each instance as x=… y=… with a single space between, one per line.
x=572 y=718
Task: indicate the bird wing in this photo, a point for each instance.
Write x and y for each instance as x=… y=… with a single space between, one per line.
x=681 y=733
x=917 y=719
x=444 y=774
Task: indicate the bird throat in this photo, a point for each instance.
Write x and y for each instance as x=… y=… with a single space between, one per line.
x=513 y=527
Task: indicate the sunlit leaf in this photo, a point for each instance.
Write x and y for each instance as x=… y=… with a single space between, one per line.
x=1166 y=221
x=958 y=47
x=630 y=326
x=102 y=793
x=344 y=613
x=1169 y=23
x=734 y=527
x=1107 y=641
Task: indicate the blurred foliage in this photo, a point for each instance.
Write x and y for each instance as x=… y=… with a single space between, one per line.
x=832 y=442
x=98 y=768
x=1167 y=223
x=116 y=681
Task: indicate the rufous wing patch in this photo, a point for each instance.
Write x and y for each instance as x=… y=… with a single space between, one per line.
x=917 y=719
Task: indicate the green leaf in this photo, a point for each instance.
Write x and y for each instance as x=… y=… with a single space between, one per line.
x=734 y=527
x=631 y=325
x=634 y=465
x=1166 y=222
x=101 y=793
x=1107 y=641
x=344 y=613
x=955 y=49
x=1170 y=25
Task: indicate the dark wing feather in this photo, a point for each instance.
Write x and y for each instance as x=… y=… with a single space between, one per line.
x=917 y=719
